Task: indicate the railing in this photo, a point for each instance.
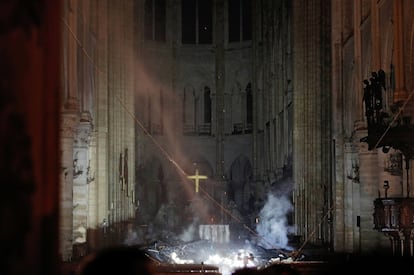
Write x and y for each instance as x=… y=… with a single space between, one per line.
x=241 y=128
x=394 y=214
x=201 y=129
x=395 y=218
x=204 y=129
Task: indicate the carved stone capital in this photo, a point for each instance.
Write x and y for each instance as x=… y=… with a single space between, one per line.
x=71 y=105
x=68 y=124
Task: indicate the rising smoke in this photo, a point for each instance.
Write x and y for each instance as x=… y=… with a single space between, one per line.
x=188 y=233
x=273 y=228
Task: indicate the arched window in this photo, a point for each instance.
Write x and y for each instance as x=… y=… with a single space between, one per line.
x=207 y=105
x=240 y=20
x=197 y=22
x=249 y=104
x=189 y=110
x=157 y=113
x=155 y=23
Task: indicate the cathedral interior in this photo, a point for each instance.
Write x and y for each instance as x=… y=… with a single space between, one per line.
x=265 y=132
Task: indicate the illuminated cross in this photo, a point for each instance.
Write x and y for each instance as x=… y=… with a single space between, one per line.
x=197 y=179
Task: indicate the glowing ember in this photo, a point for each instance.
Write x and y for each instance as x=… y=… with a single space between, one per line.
x=226 y=259
x=227 y=264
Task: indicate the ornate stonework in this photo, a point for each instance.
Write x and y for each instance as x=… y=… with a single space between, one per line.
x=68 y=124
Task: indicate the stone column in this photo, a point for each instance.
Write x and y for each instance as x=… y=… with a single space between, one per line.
x=81 y=177
x=102 y=111
x=350 y=197
x=220 y=84
x=256 y=90
x=369 y=177
x=400 y=93
x=69 y=122
x=113 y=150
x=312 y=117
x=98 y=189
x=72 y=49
x=129 y=121
x=358 y=58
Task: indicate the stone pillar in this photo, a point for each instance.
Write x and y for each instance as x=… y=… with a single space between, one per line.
x=113 y=111
x=400 y=93
x=129 y=119
x=350 y=195
x=100 y=27
x=312 y=118
x=358 y=59
x=256 y=90
x=81 y=176
x=115 y=121
x=220 y=84
x=72 y=49
x=369 y=177
x=93 y=202
x=69 y=122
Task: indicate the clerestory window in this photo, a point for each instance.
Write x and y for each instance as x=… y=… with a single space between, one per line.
x=155 y=22
x=240 y=20
x=196 y=22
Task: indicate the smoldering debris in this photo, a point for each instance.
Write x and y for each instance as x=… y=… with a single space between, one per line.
x=227 y=257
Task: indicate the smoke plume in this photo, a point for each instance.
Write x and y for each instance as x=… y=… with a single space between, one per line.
x=273 y=228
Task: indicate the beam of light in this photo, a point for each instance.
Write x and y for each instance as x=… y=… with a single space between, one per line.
x=148 y=134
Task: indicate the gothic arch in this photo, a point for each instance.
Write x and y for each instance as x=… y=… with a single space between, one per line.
x=249 y=104
x=151 y=190
x=203 y=108
x=207 y=110
x=200 y=208
x=202 y=164
x=236 y=103
x=189 y=107
x=240 y=175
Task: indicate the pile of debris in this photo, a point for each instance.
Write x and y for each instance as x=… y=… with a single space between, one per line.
x=215 y=257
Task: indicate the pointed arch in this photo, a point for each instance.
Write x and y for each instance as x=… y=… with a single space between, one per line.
x=189 y=109
x=249 y=106
x=240 y=175
x=236 y=110
x=207 y=104
x=202 y=164
x=151 y=189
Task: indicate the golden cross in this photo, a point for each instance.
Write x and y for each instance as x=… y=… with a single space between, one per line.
x=197 y=177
